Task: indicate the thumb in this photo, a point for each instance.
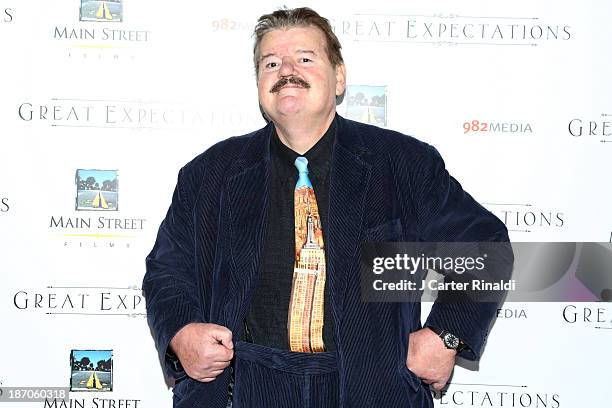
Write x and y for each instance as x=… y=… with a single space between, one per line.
x=223 y=335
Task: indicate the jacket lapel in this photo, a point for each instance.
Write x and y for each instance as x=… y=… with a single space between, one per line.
x=349 y=179
x=247 y=188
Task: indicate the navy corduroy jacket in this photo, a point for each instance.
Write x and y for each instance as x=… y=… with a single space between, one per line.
x=384 y=186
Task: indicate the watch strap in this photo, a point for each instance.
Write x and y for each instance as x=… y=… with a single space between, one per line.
x=442 y=332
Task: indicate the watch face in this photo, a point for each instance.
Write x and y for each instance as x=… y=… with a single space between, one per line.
x=451 y=341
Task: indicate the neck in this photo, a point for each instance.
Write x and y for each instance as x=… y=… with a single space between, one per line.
x=300 y=135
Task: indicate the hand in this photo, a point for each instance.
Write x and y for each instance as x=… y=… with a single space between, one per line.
x=429 y=358
x=204 y=349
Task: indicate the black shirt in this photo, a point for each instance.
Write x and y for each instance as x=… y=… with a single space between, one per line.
x=267 y=317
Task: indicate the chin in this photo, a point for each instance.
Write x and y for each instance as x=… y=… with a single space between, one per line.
x=288 y=108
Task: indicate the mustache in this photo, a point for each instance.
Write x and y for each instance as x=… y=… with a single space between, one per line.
x=289 y=80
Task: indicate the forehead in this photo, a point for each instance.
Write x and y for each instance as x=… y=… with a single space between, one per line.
x=289 y=40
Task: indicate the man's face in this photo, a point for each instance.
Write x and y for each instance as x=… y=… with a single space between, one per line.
x=295 y=77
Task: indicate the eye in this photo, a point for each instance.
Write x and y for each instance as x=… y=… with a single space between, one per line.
x=305 y=59
x=270 y=65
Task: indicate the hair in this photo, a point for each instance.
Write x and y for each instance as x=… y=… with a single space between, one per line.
x=297 y=17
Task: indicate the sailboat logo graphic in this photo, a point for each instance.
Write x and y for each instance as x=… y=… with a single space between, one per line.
x=97 y=190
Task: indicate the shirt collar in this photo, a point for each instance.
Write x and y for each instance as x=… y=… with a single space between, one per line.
x=319 y=155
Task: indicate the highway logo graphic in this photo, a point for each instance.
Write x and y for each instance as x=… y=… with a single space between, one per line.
x=367 y=104
x=96 y=10
x=91 y=370
x=96 y=190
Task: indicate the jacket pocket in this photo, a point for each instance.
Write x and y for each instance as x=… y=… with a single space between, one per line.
x=402 y=350
x=390 y=231
x=408 y=376
x=182 y=388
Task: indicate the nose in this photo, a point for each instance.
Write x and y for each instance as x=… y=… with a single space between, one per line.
x=287 y=68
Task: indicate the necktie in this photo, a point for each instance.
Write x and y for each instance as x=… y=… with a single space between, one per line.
x=305 y=317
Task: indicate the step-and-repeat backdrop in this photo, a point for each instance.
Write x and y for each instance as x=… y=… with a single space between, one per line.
x=102 y=102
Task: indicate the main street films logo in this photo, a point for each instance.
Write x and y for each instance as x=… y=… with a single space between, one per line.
x=595 y=129
x=96 y=191
x=91 y=370
x=103 y=39
x=451 y=29
x=109 y=10
x=367 y=104
x=527 y=217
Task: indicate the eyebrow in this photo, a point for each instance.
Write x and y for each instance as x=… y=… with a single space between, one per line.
x=306 y=52
x=263 y=57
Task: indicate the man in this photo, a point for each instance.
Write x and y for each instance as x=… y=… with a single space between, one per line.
x=226 y=279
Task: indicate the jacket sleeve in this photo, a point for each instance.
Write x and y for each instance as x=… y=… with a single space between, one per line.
x=446 y=213
x=169 y=285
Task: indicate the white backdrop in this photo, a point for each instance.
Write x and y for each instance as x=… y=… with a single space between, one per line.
x=531 y=80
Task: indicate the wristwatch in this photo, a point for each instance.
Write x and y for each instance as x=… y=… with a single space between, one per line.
x=174 y=362
x=450 y=340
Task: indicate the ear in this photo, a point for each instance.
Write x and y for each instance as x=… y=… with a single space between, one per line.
x=340 y=79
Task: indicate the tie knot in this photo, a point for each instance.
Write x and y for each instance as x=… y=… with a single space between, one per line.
x=302 y=164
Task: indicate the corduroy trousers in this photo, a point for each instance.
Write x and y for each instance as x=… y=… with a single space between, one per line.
x=266 y=377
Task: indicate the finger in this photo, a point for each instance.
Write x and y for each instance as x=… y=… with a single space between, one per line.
x=223 y=335
x=219 y=365
x=220 y=353
x=438 y=386
x=208 y=375
x=426 y=380
x=204 y=370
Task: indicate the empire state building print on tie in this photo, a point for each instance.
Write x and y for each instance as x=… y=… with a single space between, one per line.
x=305 y=317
